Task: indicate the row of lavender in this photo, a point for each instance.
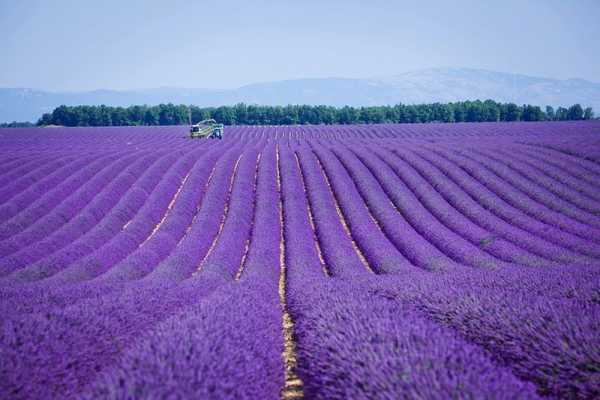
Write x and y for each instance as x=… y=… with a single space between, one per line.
x=31 y=139
x=152 y=265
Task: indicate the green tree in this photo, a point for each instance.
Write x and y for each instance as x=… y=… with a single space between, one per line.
x=532 y=113
x=549 y=113
x=513 y=112
x=491 y=111
x=119 y=116
x=151 y=116
x=575 y=112
x=46 y=119
x=224 y=115
x=170 y=114
x=459 y=112
x=241 y=113
x=562 y=114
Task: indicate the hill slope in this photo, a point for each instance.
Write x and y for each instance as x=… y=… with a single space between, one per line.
x=429 y=85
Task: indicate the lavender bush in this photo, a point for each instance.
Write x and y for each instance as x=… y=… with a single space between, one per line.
x=384 y=261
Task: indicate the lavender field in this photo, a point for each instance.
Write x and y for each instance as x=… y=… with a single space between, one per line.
x=434 y=261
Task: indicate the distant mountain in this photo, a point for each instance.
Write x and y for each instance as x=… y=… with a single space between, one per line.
x=423 y=86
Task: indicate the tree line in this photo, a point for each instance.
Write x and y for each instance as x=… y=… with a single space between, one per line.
x=16 y=124
x=250 y=114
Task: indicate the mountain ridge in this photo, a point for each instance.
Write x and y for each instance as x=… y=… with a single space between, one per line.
x=420 y=86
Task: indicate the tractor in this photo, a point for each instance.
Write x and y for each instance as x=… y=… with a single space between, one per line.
x=207 y=129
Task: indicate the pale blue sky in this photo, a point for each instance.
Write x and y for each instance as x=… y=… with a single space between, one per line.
x=82 y=45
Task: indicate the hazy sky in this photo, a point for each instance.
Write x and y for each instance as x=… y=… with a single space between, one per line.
x=119 y=44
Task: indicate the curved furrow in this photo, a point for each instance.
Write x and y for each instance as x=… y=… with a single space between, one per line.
x=355 y=343
x=27 y=162
x=8 y=160
x=261 y=264
x=298 y=265
x=27 y=300
x=494 y=199
x=223 y=260
x=194 y=245
x=498 y=249
x=563 y=163
x=111 y=326
x=462 y=224
x=67 y=209
x=23 y=191
x=585 y=148
x=85 y=220
x=304 y=205
x=220 y=343
x=528 y=249
x=409 y=207
x=327 y=325
x=544 y=190
x=372 y=239
x=46 y=194
x=172 y=227
x=531 y=195
x=588 y=165
x=26 y=165
x=559 y=182
x=579 y=180
x=537 y=212
x=578 y=189
x=139 y=226
x=406 y=239
x=342 y=217
x=342 y=257
x=253 y=222
x=265 y=269
x=302 y=259
x=226 y=205
x=248 y=312
x=7 y=163
x=104 y=230
x=540 y=323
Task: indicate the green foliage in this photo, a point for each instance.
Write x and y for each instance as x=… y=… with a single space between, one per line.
x=16 y=124
x=575 y=112
x=562 y=114
x=532 y=113
x=252 y=114
x=512 y=112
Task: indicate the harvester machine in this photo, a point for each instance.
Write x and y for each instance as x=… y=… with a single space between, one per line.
x=207 y=129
